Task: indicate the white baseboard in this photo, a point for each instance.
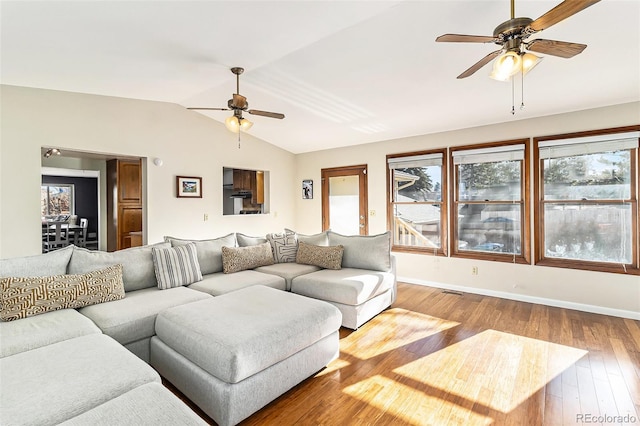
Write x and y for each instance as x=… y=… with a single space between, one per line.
x=529 y=299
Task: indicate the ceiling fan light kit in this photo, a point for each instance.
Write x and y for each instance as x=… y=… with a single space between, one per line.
x=237 y=123
x=515 y=57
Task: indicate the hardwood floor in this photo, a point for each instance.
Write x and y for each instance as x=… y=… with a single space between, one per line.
x=436 y=358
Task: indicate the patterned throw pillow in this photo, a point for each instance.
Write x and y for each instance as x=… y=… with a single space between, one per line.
x=23 y=297
x=328 y=257
x=236 y=259
x=176 y=266
x=284 y=246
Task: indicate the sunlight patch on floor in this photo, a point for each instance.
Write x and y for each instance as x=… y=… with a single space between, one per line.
x=495 y=369
x=391 y=330
x=408 y=404
x=334 y=365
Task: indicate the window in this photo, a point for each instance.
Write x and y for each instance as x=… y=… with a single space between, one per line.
x=417 y=212
x=587 y=209
x=56 y=199
x=489 y=217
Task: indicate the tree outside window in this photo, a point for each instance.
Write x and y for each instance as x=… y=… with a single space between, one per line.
x=490 y=202
x=587 y=202
x=56 y=199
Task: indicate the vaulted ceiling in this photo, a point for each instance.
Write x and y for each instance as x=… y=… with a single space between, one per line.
x=343 y=72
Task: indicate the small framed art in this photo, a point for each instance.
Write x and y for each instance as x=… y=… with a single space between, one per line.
x=307 y=189
x=188 y=187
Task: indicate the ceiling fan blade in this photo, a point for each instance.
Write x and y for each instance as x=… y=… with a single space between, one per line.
x=209 y=109
x=464 y=38
x=266 y=113
x=481 y=63
x=239 y=101
x=559 y=13
x=564 y=49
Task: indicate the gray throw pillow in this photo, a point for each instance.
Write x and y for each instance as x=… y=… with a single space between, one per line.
x=284 y=246
x=372 y=252
x=209 y=251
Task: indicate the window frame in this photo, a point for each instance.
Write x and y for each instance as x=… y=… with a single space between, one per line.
x=539 y=204
x=443 y=249
x=72 y=196
x=524 y=202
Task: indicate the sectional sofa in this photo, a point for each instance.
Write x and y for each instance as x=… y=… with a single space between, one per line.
x=63 y=344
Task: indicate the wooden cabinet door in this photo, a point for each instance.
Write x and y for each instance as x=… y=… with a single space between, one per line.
x=129 y=182
x=129 y=220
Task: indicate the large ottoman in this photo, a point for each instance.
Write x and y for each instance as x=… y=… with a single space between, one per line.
x=233 y=354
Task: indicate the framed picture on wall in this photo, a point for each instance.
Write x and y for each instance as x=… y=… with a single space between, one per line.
x=307 y=189
x=188 y=187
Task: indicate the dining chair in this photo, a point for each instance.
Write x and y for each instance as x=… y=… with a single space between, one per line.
x=53 y=237
x=81 y=238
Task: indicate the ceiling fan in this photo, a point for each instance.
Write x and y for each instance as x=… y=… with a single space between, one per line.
x=512 y=35
x=238 y=104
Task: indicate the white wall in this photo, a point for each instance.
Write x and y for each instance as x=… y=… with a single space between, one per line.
x=599 y=292
x=189 y=143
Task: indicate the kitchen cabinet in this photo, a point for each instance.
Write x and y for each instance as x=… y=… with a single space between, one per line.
x=124 y=204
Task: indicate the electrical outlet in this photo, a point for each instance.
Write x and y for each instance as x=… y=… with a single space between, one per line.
x=206 y=217
x=372 y=212
x=474 y=270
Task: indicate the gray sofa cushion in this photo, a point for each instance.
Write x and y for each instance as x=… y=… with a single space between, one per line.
x=247 y=240
x=133 y=318
x=150 y=404
x=364 y=251
x=209 y=251
x=321 y=239
x=137 y=264
x=348 y=286
x=41 y=265
x=66 y=379
x=220 y=283
x=288 y=271
x=240 y=334
x=42 y=330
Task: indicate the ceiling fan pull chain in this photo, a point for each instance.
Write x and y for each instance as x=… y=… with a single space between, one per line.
x=513 y=97
x=522 y=86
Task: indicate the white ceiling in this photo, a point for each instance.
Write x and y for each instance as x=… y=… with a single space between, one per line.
x=343 y=72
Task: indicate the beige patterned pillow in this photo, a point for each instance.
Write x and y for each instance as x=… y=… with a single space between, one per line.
x=236 y=259
x=23 y=297
x=328 y=257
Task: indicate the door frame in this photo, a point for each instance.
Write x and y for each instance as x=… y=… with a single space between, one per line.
x=358 y=170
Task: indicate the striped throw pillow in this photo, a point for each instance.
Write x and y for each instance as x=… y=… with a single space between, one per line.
x=176 y=266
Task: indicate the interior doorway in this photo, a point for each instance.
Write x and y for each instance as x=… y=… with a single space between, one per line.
x=81 y=163
x=345 y=200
